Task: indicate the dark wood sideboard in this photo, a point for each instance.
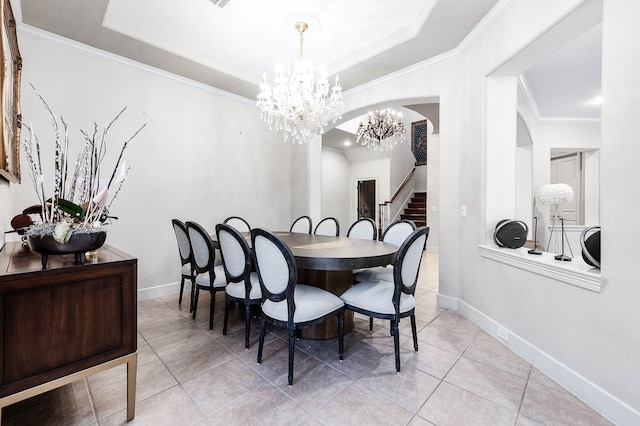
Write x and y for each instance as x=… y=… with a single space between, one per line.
x=65 y=323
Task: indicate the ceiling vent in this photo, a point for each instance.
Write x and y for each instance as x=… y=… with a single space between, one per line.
x=220 y=3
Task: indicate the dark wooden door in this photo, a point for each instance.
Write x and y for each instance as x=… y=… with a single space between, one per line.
x=367 y=199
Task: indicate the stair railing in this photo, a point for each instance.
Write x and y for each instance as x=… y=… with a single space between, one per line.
x=388 y=210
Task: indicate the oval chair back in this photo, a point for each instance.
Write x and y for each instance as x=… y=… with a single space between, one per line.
x=235 y=253
x=184 y=250
x=276 y=268
x=203 y=252
x=398 y=231
x=328 y=226
x=239 y=223
x=207 y=275
x=363 y=229
x=407 y=264
x=242 y=285
x=302 y=225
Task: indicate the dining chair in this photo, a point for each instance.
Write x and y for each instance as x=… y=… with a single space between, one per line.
x=207 y=275
x=242 y=285
x=239 y=223
x=363 y=229
x=328 y=226
x=184 y=250
x=393 y=300
x=394 y=234
x=286 y=303
x=302 y=225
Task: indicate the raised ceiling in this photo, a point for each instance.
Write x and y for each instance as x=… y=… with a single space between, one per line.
x=231 y=47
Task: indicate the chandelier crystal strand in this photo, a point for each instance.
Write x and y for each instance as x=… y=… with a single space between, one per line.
x=297 y=104
x=381 y=130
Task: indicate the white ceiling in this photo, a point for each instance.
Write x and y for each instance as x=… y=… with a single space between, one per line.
x=564 y=84
x=231 y=47
x=362 y=40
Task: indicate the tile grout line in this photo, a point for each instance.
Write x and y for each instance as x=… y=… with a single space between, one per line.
x=178 y=382
x=524 y=392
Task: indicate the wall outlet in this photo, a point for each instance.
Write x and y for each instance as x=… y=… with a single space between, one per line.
x=463 y=210
x=503 y=334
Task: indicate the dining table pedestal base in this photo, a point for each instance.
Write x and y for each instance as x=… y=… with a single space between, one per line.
x=336 y=282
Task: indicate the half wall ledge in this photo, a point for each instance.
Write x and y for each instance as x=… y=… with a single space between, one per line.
x=576 y=272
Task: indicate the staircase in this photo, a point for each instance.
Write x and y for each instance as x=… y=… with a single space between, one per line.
x=416 y=209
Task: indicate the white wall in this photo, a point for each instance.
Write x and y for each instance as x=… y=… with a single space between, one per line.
x=203 y=156
x=576 y=336
x=612 y=328
x=337 y=188
x=433 y=191
x=584 y=340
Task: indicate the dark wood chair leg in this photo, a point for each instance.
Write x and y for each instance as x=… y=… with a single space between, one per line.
x=414 y=331
x=192 y=297
x=341 y=335
x=292 y=349
x=181 y=290
x=211 y=308
x=247 y=324
x=263 y=328
x=227 y=306
x=195 y=302
x=370 y=324
x=396 y=342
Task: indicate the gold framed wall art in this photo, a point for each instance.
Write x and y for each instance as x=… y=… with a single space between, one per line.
x=10 y=96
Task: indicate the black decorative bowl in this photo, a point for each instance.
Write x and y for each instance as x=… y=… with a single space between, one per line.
x=78 y=244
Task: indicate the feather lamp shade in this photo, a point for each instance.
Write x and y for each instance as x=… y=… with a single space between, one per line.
x=555 y=193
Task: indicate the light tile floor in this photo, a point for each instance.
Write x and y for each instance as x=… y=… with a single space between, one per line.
x=188 y=375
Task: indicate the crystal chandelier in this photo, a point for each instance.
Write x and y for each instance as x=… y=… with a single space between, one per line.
x=298 y=105
x=381 y=130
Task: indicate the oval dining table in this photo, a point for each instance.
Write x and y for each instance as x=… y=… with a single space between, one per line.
x=328 y=262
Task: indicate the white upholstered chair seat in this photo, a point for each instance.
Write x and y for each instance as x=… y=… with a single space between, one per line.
x=219 y=282
x=237 y=289
x=379 y=273
x=311 y=303
x=377 y=296
x=186 y=269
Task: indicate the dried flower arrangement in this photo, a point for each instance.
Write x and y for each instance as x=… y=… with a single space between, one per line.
x=80 y=200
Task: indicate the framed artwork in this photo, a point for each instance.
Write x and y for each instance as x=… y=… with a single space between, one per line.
x=419 y=141
x=10 y=99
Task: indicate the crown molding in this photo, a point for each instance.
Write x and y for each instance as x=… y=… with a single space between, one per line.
x=25 y=30
x=476 y=33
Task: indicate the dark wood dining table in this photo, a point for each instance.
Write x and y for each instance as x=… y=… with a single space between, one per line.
x=328 y=263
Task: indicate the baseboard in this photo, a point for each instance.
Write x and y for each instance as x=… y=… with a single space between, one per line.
x=447 y=302
x=160 y=290
x=599 y=399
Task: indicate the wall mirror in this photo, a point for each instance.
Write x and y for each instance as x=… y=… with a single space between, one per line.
x=558 y=134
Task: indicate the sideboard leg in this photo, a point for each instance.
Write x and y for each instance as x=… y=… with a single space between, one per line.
x=132 y=372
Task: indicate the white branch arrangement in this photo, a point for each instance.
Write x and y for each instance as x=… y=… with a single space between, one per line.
x=80 y=199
